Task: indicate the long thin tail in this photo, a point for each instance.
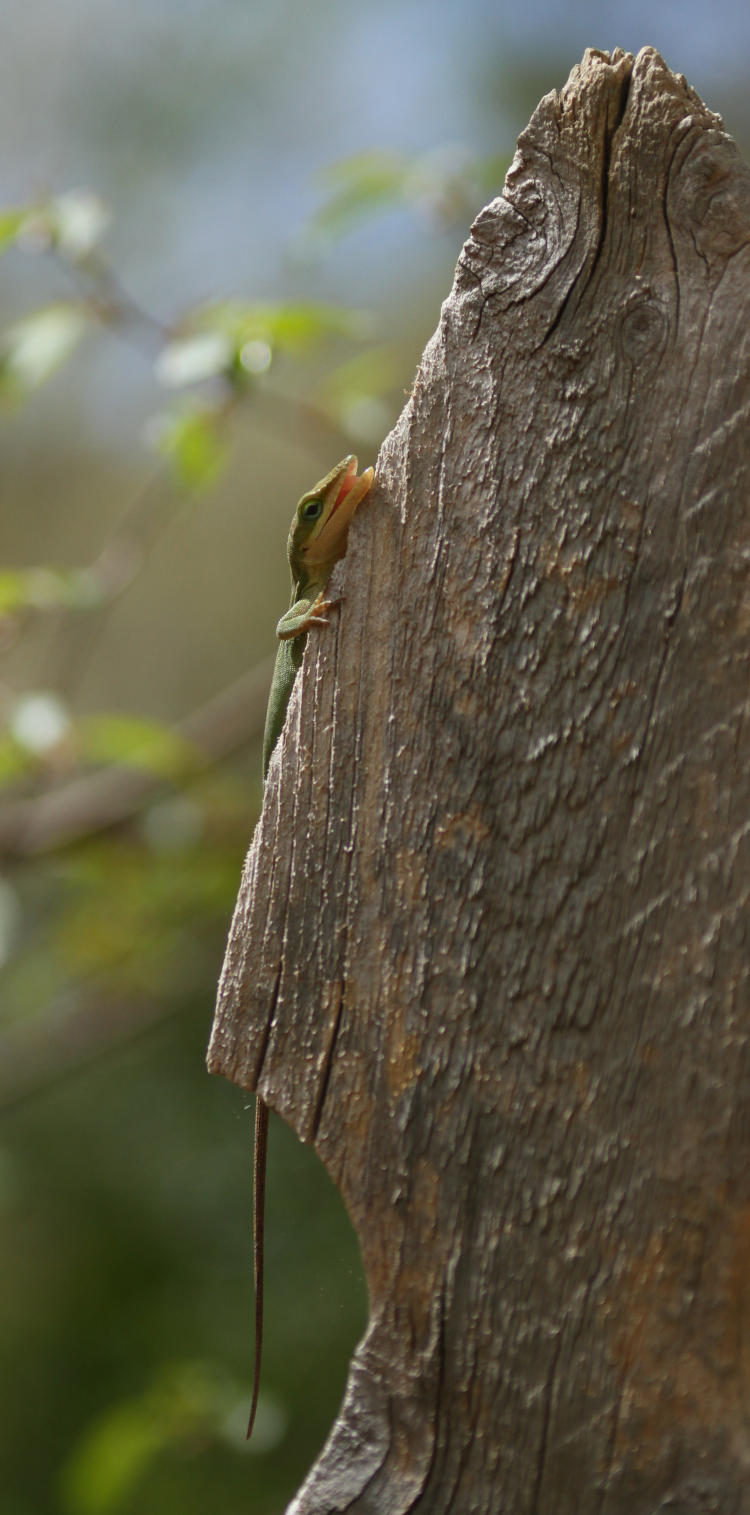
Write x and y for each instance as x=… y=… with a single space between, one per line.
x=260 y=1152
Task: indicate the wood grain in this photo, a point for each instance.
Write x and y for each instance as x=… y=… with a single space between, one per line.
x=490 y=951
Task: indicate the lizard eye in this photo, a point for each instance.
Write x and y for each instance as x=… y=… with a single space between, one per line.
x=312 y=510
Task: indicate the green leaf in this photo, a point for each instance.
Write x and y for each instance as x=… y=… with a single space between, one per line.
x=184 y=1402
x=79 y=220
x=443 y=185
x=33 y=349
x=358 y=187
x=73 y=223
x=110 y=1460
x=43 y=588
x=191 y=441
x=192 y=359
x=255 y=329
x=135 y=742
x=11 y=223
x=14 y=761
x=39 y=722
x=38 y=725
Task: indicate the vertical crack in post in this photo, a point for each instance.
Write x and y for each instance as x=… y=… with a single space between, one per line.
x=335 y=1021
x=609 y=137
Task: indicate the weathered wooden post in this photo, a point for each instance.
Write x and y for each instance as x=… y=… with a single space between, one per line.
x=491 y=953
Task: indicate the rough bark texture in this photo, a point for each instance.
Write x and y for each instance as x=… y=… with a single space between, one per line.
x=490 y=953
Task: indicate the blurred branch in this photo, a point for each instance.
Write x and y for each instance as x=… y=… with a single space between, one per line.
x=227 y=345
x=95 y=802
x=112 y=302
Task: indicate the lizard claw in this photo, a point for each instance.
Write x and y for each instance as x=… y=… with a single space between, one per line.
x=317 y=615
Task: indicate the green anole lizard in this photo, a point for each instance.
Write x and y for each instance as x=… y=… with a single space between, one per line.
x=317 y=539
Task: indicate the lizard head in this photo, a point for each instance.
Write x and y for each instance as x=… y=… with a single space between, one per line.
x=321 y=521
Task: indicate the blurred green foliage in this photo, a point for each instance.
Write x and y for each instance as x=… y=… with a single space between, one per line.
x=144 y=518
x=125 y=1294
x=445 y=185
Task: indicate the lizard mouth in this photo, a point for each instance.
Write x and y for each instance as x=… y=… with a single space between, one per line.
x=346 y=483
x=350 y=483
x=351 y=492
x=329 y=543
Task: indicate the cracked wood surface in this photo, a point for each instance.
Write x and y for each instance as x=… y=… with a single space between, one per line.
x=490 y=952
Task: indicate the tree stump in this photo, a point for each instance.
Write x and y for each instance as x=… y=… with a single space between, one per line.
x=491 y=949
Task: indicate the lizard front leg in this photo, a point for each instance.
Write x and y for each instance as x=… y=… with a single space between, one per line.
x=304 y=614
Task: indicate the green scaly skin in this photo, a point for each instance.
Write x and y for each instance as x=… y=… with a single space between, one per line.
x=317 y=539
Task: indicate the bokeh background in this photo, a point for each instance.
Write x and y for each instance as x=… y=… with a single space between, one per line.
x=226 y=230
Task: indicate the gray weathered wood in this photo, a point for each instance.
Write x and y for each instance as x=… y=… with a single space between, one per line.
x=490 y=952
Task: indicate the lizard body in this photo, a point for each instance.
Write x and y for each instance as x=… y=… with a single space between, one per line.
x=317 y=539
